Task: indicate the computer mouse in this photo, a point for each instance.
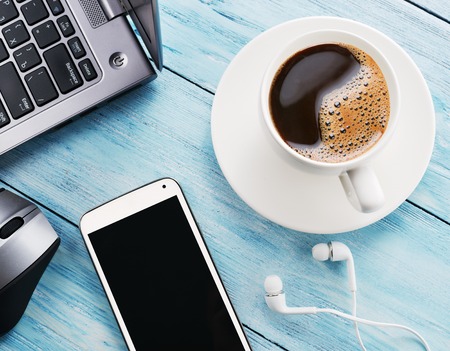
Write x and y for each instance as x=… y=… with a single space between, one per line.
x=27 y=245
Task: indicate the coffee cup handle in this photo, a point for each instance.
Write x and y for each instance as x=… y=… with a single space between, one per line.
x=367 y=188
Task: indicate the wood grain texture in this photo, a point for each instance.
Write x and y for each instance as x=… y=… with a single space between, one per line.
x=163 y=129
x=437 y=8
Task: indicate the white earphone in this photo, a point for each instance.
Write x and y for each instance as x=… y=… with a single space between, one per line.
x=337 y=251
x=334 y=251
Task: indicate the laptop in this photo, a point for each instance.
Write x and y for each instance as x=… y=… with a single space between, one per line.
x=59 y=58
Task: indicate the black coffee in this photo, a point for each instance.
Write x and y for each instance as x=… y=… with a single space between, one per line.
x=330 y=102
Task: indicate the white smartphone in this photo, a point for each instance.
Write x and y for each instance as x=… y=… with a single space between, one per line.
x=157 y=273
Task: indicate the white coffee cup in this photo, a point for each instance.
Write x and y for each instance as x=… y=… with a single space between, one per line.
x=358 y=171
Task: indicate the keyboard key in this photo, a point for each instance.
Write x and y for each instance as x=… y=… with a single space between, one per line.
x=87 y=69
x=3 y=53
x=55 y=6
x=34 y=11
x=13 y=91
x=15 y=34
x=66 y=26
x=46 y=34
x=27 y=57
x=63 y=69
x=4 y=119
x=76 y=47
x=8 y=11
x=41 y=86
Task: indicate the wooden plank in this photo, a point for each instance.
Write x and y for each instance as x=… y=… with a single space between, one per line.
x=438 y=8
x=163 y=129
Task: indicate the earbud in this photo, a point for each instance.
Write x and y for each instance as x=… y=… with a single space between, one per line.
x=337 y=251
x=276 y=299
x=333 y=251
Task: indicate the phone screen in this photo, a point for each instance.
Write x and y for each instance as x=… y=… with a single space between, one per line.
x=161 y=282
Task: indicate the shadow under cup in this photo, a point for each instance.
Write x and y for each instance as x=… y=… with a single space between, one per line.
x=330 y=100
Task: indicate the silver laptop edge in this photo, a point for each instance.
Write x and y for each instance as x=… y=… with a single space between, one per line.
x=116 y=54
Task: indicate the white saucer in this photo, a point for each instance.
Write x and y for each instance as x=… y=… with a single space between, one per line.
x=271 y=185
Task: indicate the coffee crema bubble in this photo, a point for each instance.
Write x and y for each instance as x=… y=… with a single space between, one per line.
x=330 y=102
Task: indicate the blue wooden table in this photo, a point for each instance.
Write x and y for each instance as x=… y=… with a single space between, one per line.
x=164 y=129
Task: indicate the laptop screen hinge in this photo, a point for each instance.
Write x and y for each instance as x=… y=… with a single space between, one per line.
x=112 y=8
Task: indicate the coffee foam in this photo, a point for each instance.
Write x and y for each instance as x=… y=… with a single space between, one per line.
x=352 y=118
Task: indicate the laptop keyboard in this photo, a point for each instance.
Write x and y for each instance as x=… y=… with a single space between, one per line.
x=43 y=58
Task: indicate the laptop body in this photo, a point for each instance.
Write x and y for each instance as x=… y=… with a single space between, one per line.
x=59 y=58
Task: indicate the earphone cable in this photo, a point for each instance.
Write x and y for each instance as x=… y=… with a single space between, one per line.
x=374 y=323
x=355 y=322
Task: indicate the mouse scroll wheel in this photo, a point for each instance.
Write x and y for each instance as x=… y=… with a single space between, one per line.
x=9 y=228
